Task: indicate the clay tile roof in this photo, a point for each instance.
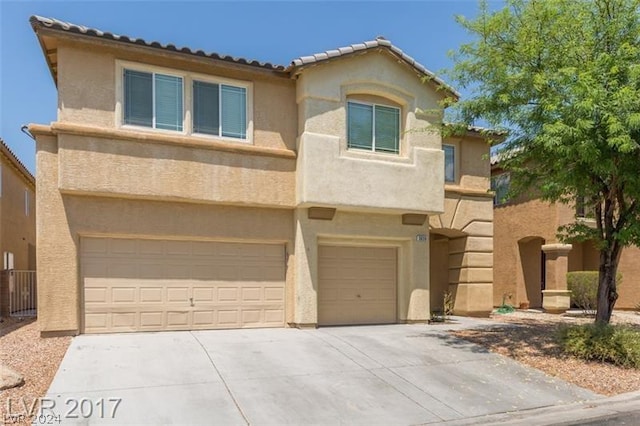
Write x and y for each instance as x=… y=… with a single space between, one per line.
x=378 y=43
x=55 y=24
x=39 y=22
x=15 y=162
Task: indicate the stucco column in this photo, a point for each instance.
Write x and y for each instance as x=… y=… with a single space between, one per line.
x=416 y=290
x=556 y=296
x=306 y=267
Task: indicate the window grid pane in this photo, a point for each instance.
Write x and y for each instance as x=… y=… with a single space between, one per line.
x=138 y=98
x=234 y=111
x=387 y=129
x=206 y=108
x=360 y=126
x=168 y=102
x=449 y=163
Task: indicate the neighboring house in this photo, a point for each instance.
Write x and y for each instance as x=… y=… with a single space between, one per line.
x=530 y=264
x=17 y=223
x=17 y=212
x=186 y=190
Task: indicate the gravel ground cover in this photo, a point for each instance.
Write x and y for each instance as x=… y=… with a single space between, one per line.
x=528 y=337
x=35 y=358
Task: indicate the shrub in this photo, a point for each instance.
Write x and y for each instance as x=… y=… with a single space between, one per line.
x=584 y=289
x=615 y=344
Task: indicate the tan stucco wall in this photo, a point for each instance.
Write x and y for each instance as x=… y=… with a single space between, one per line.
x=534 y=218
x=472 y=167
x=325 y=163
x=357 y=229
x=18 y=230
x=468 y=224
x=69 y=217
x=439 y=270
x=518 y=222
x=119 y=168
x=629 y=290
x=87 y=89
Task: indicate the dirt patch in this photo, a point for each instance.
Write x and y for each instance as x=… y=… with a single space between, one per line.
x=529 y=338
x=35 y=358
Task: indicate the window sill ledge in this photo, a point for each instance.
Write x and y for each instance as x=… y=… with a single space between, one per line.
x=176 y=140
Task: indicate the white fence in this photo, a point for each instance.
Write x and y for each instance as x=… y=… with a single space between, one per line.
x=22 y=293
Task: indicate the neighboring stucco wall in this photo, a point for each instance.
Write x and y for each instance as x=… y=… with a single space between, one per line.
x=629 y=290
x=515 y=222
x=87 y=89
x=18 y=230
x=357 y=229
x=375 y=179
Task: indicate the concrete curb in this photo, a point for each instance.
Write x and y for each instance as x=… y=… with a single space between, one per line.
x=569 y=414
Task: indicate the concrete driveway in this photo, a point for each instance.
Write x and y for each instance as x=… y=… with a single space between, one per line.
x=396 y=374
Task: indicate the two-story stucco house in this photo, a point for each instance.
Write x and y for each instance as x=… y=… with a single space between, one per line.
x=183 y=190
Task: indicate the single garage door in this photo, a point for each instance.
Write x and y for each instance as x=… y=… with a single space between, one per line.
x=356 y=285
x=151 y=285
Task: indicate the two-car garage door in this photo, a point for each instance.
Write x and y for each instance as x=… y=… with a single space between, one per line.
x=151 y=285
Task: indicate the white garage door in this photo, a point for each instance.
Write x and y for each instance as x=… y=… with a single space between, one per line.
x=150 y=285
x=356 y=285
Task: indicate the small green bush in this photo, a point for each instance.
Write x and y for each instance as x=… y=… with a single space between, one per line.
x=615 y=344
x=584 y=289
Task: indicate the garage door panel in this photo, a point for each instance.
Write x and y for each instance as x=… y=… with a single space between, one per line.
x=357 y=285
x=125 y=295
x=151 y=294
x=204 y=294
x=179 y=285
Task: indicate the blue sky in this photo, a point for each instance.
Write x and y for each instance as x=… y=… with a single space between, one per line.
x=268 y=31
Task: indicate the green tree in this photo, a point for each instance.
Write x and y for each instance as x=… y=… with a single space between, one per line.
x=563 y=76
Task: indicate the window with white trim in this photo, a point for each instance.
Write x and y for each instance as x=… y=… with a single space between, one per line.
x=449 y=163
x=373 y=127
x=153 y=100
x=219 y=110
x=161 y=99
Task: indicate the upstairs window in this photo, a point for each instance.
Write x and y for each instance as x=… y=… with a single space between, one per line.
x=219 y=110
x=373 y=127
x=153 y=100
x=500 y=185
x=449 y=163
x=163 y=99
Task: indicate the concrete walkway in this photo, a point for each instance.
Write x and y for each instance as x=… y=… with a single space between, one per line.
x=396 y=374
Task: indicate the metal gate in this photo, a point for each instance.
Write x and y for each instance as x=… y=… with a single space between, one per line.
x=20 y=293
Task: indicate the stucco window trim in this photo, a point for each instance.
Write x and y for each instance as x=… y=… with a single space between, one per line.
x=188 y=79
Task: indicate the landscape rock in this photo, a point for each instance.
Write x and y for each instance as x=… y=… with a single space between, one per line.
x=9 y=378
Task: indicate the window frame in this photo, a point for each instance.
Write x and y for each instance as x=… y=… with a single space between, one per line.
x=187 y=101
x=455 y=166
x=373 y=126
x=27 y=202
x=507 y=177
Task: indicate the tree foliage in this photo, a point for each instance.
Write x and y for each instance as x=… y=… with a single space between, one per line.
x=563 y=76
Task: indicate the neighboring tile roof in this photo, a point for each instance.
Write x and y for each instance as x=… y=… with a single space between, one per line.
x=378 y=43
x=40 y=21
x=13 y=159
